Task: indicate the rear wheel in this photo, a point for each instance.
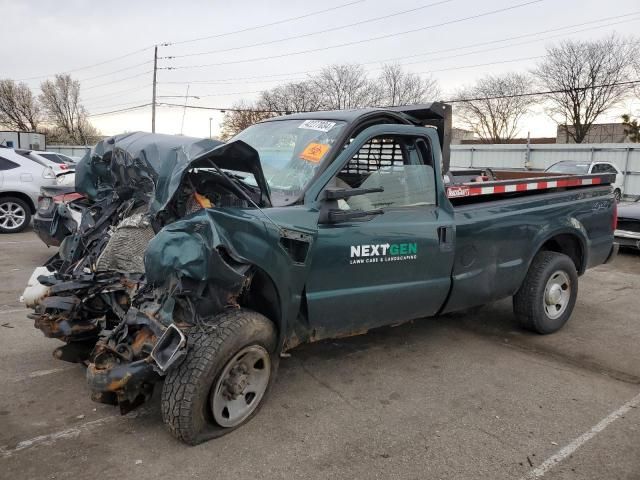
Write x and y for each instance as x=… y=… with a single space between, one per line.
x=224 y=379
x=548 y=294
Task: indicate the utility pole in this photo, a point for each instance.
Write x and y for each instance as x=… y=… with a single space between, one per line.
x=153 y=101
x=184 y=112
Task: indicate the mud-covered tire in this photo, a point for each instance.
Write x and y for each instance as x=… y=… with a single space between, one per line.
x=532 y=303
x=187 y=389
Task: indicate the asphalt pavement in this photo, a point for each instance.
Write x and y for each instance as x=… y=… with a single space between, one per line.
x=465 y=396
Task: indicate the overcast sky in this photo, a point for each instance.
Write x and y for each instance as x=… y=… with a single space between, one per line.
x=41 y=38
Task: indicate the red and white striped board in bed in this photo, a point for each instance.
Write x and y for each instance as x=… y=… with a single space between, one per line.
x=508 y=186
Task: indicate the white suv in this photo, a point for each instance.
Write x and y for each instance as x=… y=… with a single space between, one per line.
x=576 y=167
x=20 y=181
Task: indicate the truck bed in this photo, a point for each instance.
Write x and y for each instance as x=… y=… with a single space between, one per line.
x=497 y=236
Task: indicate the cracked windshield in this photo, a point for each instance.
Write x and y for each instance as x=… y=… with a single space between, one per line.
x=290 y=151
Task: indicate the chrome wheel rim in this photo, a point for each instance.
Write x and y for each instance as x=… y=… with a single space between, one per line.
x=12 y=215
x=557 y=293
x=241 y=386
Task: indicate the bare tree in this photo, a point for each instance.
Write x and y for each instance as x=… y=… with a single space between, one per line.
x=292 y=97
x=586 y=78
x=244 y=115
x=404 y=88
x=631 y=128
x=19 y=108
x=494 y=106
x=69 y=121
x=346 y=86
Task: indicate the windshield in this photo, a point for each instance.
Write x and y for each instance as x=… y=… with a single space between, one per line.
x=51 y=157
x=291 y=152
x=569 y=167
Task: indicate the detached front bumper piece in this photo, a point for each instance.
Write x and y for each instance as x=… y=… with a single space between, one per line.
x=115 y=380
x=126 y=385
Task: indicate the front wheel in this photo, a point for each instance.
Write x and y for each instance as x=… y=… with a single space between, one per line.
x=224 y=379
x=15 y=215
x=548 y=294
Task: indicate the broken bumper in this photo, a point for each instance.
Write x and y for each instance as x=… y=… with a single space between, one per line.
x=126 y=385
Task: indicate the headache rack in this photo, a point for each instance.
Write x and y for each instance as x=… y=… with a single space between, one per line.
x=522 y=182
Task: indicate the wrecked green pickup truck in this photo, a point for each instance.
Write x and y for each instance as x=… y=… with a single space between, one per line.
x=200 y=263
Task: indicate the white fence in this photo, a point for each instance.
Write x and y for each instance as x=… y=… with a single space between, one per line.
x=626 y=156
x=69 y=150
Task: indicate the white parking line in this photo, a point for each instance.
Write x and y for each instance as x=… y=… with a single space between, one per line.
x=24 y=310
x=564 y=452
x=42 y=373
x=20 y=242
x=51 y=438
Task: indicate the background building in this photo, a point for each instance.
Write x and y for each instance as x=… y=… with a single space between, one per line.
x=27 y=140
x=598 y=133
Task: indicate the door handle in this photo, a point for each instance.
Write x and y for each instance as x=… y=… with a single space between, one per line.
x=445 y=238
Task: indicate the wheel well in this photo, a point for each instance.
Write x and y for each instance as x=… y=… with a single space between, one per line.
x=263 y=297
x=21 y=196
x=569 y=245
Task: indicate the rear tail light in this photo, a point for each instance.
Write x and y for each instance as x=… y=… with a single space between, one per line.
x=67 y=197
x=44 y=203
x=48 y=173
x=64 y=166
x=615 y=215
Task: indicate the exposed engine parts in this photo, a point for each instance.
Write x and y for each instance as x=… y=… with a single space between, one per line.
x=122 y=288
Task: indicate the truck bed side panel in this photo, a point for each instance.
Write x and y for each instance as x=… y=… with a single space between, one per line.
x=496 y=241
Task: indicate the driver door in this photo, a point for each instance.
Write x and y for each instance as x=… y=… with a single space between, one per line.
x=395 y=264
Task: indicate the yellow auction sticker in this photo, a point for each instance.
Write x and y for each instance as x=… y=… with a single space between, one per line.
x=314 y=152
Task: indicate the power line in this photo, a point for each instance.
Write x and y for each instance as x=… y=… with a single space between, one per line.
x=117 y=71
x=460 y=67
x=357 y=42
x=222 y=109
x=500 y=62
x=279 y=22
x=136 y=107
x=119 y=92
x=165 y=44
x=499 y=47
x=120 y=57
x=548 y=92
x=111 y=105
x=459 y=100
x=311 y=34
x=91 y=87
x=433 y=52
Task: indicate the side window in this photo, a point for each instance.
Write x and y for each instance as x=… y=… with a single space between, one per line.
x=609 y=169
x=597 y=168
x=401 y=166
x=7 y=164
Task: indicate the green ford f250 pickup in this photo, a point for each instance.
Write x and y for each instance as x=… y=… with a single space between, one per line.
x=303 y=227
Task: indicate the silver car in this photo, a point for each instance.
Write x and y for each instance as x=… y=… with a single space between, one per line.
x=20 y=182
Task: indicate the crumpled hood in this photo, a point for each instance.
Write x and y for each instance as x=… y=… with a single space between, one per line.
x=149 y=167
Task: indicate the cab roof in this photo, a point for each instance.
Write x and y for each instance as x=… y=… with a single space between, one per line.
x=419 y=112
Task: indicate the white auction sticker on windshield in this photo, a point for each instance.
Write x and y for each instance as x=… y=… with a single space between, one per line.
x=319 y=125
